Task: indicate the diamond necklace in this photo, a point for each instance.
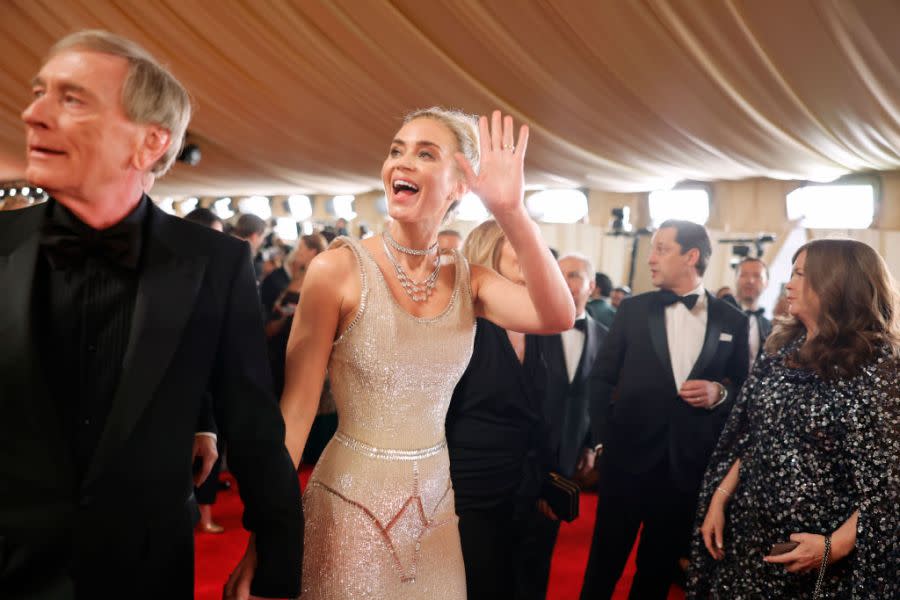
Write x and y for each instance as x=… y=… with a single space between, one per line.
x=413 y=251
x=418 y=291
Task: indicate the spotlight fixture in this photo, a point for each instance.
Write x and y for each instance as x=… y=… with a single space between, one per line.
x=752 y=247
x=190 y=154
x=620 y=223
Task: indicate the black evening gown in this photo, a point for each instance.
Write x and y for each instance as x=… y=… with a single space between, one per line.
x=496 y=459
x=812 y=452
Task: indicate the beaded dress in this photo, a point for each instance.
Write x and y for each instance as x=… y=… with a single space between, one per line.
x=380 y=515
x=812 y=452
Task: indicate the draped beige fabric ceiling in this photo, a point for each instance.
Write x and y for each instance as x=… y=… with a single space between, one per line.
x=621 y=95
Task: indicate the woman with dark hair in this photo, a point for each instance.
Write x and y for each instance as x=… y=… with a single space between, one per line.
x=800 y=498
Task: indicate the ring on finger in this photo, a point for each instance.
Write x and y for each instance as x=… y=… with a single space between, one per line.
x=508 y=147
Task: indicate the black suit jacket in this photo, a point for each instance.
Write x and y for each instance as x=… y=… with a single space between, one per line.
x=125 y=525
x=637 y=413
x=566 y=405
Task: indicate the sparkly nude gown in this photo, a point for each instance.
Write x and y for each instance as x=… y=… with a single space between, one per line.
x=380 y=516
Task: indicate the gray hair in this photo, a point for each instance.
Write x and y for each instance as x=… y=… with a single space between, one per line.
x=151 y=94
x=586 y=262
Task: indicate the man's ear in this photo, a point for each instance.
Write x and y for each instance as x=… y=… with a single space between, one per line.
x=693 y=256
x=154 y=142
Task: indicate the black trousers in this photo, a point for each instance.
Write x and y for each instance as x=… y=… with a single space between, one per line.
x=626 y=503
x=533 y=555
x=489 y=537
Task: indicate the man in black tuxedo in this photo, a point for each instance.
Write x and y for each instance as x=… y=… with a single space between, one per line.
x=570 y=357
x=116 y=321
x=752 y=279
x=664 y=383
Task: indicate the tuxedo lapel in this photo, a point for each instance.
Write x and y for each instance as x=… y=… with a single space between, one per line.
x=588 y=354
x=166 y=293
x=711 y=340
x=556 y=357
x=19 y=346
x=656 y=321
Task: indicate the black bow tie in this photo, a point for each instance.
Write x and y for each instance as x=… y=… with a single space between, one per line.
x=754 y=313
x=668 y=297
x=581 y=325
x=65 y=248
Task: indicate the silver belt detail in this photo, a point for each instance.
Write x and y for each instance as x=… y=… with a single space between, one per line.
x=387 y=453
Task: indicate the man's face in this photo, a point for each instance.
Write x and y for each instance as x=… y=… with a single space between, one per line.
x=447 y=243
x=580 y=281
x=256 y=241
x=617 y=297
x=668 y=266
x=79 y=141
x=751 y=281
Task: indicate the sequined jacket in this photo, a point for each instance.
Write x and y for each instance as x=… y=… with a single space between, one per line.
x=812 y=453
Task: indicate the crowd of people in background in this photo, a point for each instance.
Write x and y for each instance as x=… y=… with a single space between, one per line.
x=531 y=407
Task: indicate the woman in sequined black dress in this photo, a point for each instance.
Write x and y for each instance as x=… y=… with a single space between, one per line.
x=812 y=447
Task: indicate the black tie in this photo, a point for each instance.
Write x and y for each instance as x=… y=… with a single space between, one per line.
x=66 y=249
x=754 y=313
x=581 y=325
x=668 y=297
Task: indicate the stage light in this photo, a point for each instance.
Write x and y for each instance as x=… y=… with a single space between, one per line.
x=300 y=207
x=343 y=207
x=221 y=207
x=256 y=205
x=471 y=208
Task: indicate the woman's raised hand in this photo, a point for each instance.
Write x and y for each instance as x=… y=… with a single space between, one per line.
x=500 y=182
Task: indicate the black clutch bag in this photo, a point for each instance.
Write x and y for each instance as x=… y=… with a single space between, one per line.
x=562 y=495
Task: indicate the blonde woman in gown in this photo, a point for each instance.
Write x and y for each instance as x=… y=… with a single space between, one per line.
x=380 y=518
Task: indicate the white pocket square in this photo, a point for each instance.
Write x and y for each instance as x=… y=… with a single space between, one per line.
x=725 y=337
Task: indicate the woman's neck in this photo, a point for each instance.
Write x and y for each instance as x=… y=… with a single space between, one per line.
x=414 y=236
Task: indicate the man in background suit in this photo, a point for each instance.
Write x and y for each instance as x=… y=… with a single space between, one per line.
x=663 y=386
x=569 y=357
x=752 y=280
x=116 y=321
x=599 y=306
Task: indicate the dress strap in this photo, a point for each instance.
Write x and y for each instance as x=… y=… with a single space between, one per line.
x=348 y=242
x=463 y=277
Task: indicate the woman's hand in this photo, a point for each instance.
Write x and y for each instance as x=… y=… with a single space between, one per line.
x=805 y=557
x=713 y=528
x=500 y=182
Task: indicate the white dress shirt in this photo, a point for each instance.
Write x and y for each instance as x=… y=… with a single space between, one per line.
x=685 y=333
x=754 y=336
x=573 y=346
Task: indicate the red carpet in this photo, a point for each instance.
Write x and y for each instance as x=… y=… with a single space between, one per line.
x=216 y=555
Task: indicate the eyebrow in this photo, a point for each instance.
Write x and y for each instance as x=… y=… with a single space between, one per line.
x=419 y=143
x=65 y=86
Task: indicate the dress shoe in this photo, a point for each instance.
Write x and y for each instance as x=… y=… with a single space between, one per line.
x=210 y=528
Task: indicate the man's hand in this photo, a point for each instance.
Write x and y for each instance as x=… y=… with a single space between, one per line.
x=700 y=393
x=205 y=448
x=586 y=475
